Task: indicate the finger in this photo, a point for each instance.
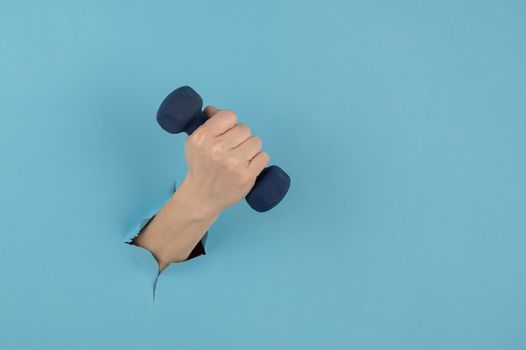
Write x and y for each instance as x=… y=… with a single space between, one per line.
x=221 y=122
x=210 y=111
x=235 y=136
x=258 y=163
x=249 y=148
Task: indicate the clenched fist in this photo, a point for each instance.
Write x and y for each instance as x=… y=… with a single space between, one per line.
x=223 y=163
x=223 y=160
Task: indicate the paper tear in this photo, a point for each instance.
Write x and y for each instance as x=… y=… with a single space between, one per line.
x=130 y=236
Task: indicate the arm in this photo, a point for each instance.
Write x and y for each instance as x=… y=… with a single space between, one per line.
x=223 y=163
x=176 y=229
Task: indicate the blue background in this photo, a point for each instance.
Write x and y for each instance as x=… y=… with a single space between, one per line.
x=402 y=125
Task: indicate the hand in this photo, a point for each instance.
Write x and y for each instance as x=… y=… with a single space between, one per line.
x=223 y=161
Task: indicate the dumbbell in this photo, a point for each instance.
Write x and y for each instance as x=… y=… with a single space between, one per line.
x=182 y=110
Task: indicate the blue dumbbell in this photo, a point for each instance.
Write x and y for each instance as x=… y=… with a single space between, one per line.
x=182 y=111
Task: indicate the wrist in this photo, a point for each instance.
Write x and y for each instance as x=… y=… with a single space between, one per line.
x=196 y=207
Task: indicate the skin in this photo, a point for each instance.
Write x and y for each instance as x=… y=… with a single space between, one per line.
x=223 y=163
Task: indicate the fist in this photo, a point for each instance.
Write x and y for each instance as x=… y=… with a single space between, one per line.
x=223 y=161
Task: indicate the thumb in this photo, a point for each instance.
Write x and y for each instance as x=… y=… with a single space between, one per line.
x=210 y=111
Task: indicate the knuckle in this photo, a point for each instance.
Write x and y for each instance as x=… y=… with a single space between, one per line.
x=230 y=114
x=257 y=141
x=231 y=163
x=216 y=151
x=245 y=128
x=265 y=156
x=197 y=138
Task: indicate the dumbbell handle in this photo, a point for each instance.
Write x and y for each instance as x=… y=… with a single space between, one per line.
x=199 y=119
x=182 y=111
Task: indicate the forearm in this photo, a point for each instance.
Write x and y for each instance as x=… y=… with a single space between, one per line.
x=177 y=227
x=223 y=163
